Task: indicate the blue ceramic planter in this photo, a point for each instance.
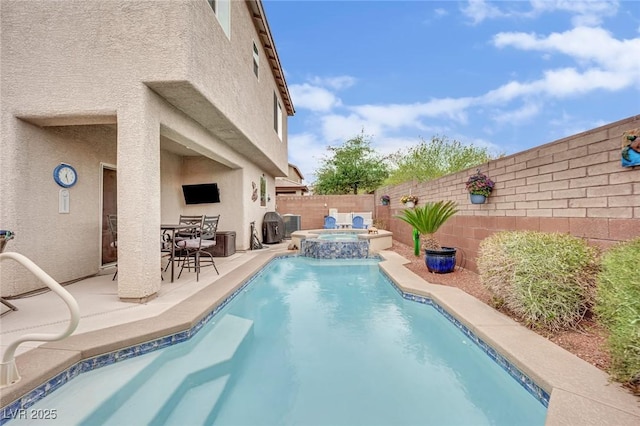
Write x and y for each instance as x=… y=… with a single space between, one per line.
x=440 y=261
x=477 y=199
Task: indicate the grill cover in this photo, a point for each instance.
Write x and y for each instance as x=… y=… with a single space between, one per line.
x=272 y=228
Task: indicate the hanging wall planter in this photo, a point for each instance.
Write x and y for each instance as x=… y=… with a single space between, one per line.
x=477 y=198
x=409 y=201
x=479 y=187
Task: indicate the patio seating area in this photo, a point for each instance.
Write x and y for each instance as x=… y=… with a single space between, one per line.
x=355 y=220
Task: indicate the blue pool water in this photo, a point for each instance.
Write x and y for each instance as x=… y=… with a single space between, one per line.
x=339 y=237
x=308 y=342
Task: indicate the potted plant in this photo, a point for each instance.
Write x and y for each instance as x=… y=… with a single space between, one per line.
x=409 y=200
x=427 y=220
x=479 y=186
x=385 y=199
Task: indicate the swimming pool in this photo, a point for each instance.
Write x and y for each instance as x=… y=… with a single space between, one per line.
x=312 y=342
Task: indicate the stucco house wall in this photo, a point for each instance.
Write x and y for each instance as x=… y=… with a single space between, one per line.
x=157 y=90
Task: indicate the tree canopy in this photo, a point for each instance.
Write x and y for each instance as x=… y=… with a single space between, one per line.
x=350 y=168
x=430 y=160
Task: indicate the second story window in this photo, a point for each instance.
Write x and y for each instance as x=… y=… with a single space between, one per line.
x=277 y=115
x=222 y=9
x=256 y=59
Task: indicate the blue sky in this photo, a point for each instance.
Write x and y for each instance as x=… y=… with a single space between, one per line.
x=508 y=75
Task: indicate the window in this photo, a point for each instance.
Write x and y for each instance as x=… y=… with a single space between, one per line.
x=256 y=59
x=277 y=115
x=222 y=9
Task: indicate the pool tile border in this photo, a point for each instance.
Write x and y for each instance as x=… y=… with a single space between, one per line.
x=17 y=407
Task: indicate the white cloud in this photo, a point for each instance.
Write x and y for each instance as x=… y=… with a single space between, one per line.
x=587 y=45
x=318 y=93
x=607 y=62
x=440 y=12
x=336 y=83
x=402 y=115
x=561 y=83
x=519 y=115
x=313 y=97
x=387 y=145
x=306 y=151
x=339 y=128
x=390 y=116
x=479 y=10
x=568 y=81
x=507 y=92
x=586 y=12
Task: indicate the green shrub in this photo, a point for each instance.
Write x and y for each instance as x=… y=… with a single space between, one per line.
x=546 y=279
x=618 y=308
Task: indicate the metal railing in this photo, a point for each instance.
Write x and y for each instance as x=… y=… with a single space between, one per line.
x=8 y=369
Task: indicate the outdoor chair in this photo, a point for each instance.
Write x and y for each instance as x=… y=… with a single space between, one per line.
x=358 y=222
x=195 y=222
x=329 y=222
x=112 y=222
x=197 y=248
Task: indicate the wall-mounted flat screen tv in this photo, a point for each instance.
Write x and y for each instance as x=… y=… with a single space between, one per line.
x=201 y=193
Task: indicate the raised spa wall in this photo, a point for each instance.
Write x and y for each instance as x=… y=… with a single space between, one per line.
x=381 y=240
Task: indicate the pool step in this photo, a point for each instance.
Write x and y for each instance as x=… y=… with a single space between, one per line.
x=172 y=376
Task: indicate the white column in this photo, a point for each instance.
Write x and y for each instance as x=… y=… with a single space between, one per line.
x=138 y=201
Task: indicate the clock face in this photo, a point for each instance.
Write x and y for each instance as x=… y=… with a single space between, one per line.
x=65 y=175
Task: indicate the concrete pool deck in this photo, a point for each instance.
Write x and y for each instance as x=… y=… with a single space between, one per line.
x=580 y=393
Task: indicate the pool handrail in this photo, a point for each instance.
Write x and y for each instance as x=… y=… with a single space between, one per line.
x=8 y=369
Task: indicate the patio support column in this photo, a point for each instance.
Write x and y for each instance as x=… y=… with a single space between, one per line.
x=138 y=155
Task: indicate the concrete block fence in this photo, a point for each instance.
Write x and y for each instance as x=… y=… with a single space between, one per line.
x=313 y=208
x=574 y=185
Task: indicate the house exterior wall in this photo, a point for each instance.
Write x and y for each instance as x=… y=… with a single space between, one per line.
x=574 y=185
x=155 y=88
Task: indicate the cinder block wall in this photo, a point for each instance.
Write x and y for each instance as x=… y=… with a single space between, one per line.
x=575 y=185
x=314 y=208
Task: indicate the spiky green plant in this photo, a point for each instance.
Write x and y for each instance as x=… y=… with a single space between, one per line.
x=428 y=219
x=547 y=279
x=618 y=308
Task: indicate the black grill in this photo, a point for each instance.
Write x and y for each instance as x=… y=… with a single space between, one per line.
x=272 y=228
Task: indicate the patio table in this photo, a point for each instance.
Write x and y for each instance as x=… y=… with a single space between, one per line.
x=173 y=228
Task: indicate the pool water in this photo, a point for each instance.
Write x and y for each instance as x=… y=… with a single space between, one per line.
x=339 y=237
x=308 y=342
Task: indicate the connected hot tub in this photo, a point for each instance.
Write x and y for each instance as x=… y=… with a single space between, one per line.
x=340 y=243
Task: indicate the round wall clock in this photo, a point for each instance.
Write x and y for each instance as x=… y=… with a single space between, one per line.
x=65 y=175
